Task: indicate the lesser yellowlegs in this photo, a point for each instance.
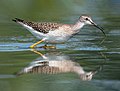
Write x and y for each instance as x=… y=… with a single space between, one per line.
x=50 y=32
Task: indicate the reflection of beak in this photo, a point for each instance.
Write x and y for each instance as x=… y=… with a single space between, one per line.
x=97 y=70
x=94 y=72
x=98 y=27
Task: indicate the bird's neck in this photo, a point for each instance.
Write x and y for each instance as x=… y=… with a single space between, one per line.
x=78 y=25
x=78 y=70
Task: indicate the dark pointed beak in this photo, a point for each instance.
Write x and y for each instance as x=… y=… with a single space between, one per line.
x=102 y=30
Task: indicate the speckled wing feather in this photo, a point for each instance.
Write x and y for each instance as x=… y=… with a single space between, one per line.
x=45 y=70
x=43 y=27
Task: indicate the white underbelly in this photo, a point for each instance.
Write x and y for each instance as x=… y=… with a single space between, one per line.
x=57 y=36
x=56 y=39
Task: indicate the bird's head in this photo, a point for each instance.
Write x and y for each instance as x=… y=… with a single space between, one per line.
x=87 y=20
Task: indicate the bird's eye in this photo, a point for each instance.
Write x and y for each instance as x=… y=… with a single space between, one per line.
x=86 y=18
x=87 y=75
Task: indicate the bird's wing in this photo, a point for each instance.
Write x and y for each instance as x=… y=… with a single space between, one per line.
x=45 y=69
x=43 y=27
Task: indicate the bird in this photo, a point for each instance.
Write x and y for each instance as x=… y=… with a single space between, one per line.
x=52 y=32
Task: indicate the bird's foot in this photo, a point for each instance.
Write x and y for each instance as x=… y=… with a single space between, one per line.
x=48 y=47
x=32 y=46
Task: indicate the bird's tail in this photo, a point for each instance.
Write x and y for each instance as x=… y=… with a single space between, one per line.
x=17 y=20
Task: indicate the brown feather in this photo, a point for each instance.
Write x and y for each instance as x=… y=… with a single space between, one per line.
x=43 y=27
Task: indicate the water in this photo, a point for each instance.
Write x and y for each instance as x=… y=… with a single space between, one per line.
x=84 y=48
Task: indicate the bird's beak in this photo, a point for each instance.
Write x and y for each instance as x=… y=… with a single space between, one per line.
x=102 y=30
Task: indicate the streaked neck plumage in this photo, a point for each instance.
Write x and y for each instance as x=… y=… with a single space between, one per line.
x=77 y=26
x=79 y=70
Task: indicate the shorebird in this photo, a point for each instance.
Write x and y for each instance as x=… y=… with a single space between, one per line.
x=56 y=63
x=51 y=32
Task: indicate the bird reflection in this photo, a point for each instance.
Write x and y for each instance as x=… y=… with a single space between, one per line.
x=54 y=63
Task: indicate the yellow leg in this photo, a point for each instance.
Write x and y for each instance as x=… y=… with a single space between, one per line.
x=48 y=47
x=35 y=51
x=32 y=46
